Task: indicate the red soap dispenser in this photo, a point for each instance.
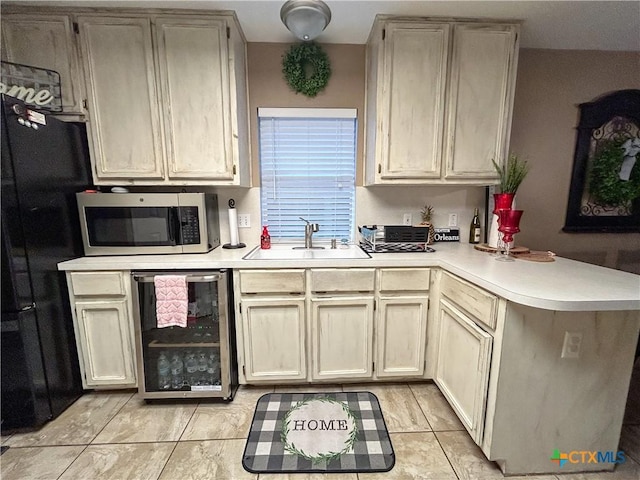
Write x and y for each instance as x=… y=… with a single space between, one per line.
x=265 y=238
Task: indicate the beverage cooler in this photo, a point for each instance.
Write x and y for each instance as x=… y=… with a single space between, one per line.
x=195 y=358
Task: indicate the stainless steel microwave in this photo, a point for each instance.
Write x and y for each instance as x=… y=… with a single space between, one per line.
x=148 y=223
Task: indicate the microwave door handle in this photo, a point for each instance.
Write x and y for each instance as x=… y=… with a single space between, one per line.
x=174 y=225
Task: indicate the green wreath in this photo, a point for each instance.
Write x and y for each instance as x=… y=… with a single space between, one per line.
x=604 y=183
x=327 y=457
x=306 y=68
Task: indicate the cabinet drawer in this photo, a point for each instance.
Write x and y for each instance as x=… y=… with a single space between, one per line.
x=414 y=279
x=342 y=280
x=97 y=283
x=272 y=281
x=479 y=304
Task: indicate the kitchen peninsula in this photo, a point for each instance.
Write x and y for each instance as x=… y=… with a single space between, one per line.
x=532 y=356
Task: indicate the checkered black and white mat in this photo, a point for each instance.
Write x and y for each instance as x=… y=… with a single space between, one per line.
x=268 y=450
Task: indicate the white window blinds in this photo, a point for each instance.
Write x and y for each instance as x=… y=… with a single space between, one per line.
x=307 y=169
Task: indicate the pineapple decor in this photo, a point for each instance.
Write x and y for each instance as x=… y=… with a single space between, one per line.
x=427 y=212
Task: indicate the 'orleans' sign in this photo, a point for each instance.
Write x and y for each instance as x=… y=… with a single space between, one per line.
x=36 y=87
x=447 y=235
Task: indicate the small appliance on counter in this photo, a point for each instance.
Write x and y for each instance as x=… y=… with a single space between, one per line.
x=394 y=239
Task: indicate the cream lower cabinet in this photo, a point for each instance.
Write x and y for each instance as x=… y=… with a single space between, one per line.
x=274 y=339
x=271 y=325
x=331 y=324
x=466 y=317
x=463 y=366
x=342 y=338
x=401 y=322
x=103 y=326
x=341 y=323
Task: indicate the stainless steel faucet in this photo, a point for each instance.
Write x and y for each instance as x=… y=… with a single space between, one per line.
x=309 y=229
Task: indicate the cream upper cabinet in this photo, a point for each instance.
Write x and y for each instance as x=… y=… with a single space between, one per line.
x=480 y=99
x=438 y=102
x=124 y=116
x=198 y=85
x=45 y=41
x=411 y=117
x=167 y=99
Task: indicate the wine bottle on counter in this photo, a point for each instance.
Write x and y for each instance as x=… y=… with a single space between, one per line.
x=474 y=229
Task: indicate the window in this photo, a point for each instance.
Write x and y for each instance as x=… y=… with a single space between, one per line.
x=307 y=169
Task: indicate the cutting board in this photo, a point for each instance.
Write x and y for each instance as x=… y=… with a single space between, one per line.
x=535 y=256
x=483 y=247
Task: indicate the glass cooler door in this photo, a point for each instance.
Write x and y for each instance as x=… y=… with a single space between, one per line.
x=191 y=360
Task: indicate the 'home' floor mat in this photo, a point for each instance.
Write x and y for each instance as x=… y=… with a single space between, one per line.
x=318 y=432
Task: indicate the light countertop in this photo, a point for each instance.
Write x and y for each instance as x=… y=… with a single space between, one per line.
x=564 y=284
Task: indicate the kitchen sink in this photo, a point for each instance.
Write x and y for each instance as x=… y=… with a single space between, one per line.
x=297 y=252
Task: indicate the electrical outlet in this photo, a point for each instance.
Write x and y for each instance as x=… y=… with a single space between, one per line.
x=571 y=345
x=244 y=220
x=406 y=219
x=453 y=219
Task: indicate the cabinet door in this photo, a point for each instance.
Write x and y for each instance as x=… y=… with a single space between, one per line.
x=124 y=119
x=342 y=337
x=462 y=372
x=106 y=343
x=401 y=330
x=194 y=78
x=480 y=99
x=415 y=65
x=274 y=339
x=45 y=41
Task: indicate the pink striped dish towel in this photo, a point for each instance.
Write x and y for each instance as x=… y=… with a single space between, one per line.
x=172 y=300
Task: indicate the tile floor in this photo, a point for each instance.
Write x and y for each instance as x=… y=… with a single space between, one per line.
x=115 y=435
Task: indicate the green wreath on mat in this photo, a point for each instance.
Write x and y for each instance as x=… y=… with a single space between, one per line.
x=326 y=457
x=306 y=68
x=604 y=183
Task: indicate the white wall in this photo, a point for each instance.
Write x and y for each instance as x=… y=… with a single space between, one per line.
x=374 y=205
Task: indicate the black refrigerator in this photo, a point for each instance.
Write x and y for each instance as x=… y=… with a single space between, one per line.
x=44 y=163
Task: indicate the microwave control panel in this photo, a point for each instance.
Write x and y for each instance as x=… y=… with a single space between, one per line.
x=189 y=228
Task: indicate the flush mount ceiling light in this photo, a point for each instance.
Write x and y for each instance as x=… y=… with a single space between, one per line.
x=306 y=19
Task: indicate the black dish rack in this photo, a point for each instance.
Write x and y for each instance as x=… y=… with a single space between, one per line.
x=395 y=239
